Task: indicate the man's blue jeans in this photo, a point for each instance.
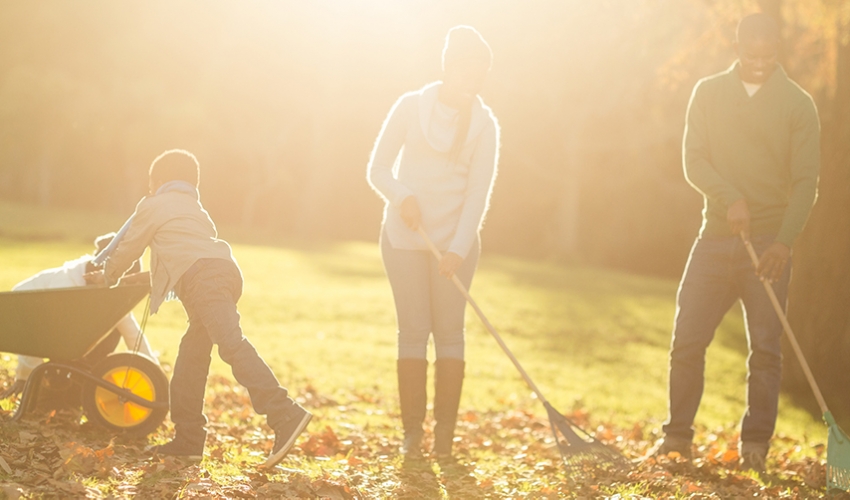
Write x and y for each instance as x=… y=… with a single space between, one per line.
x=209 y=291
x=719 y=272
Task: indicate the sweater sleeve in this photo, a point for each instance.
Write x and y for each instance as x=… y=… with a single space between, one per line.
x=805 y=165
x=131 y=247
x=699 y=171
x=384 y=154
x=482 y=175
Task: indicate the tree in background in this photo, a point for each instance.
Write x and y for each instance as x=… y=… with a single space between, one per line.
x=281 y=102
x=820 y=289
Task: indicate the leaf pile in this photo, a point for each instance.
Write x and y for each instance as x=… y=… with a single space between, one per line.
x=350 y=452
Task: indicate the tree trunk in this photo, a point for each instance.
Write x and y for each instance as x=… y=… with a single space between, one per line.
x=820 y=290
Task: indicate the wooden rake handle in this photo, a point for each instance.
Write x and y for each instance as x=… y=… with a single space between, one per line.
x=483 y=318
x=787 y=326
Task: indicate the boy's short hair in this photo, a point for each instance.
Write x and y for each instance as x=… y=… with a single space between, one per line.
x=175 y=165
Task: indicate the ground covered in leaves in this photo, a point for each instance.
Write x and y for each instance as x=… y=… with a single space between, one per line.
x=323 y=319
x=508 y=454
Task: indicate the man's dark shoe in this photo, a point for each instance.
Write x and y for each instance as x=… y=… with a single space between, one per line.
x=285 y=436
x=180 y=448
x=667 y=445
x=754 y=456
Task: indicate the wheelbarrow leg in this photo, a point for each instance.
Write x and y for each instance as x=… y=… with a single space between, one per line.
x=29 y=396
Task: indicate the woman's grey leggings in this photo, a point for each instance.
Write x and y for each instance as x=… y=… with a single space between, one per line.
x=426 y=302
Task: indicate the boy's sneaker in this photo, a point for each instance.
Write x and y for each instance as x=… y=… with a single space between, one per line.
x=667 y=445
x=180 y=448
x=285 y=436
x=754 y=456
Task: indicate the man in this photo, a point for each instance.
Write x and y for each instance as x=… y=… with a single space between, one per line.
x=752 y=148
x=74 y=274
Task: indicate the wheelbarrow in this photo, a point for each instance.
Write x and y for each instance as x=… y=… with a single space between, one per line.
x=124 y=392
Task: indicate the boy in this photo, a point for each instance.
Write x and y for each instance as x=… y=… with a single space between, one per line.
x=188 y=259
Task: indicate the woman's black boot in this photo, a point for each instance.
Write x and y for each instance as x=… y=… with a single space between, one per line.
x=448 y=382
x=412 y=395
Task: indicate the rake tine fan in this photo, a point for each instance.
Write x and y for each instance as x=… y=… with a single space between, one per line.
x=838 y=444
x=583 y=451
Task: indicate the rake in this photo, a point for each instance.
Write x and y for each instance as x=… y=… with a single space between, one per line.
x=578 y=448
x=838 y=444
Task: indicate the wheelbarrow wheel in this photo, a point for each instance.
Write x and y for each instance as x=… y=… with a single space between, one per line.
x=140 y=376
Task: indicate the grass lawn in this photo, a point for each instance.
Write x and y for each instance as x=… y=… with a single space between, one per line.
x=595 y=341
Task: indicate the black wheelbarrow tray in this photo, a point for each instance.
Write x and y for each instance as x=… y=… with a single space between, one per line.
x=125 y=391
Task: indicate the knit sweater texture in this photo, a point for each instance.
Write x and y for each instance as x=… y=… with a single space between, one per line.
x=412 y=157
x=179 y=232
x=764 y=149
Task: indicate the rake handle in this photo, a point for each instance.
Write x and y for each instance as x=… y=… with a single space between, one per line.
x=483 y=318
x=787 y=326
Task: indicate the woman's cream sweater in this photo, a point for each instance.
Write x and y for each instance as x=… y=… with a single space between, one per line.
x=412 y=157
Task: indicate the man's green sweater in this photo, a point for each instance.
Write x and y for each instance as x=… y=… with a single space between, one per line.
x=764 y=149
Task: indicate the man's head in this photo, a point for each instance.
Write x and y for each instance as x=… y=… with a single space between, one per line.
x=174 y=165
x=757 y=46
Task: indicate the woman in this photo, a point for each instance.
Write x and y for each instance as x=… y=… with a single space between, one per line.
x=446 y=142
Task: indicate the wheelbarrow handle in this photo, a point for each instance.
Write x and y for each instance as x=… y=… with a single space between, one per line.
x=483 y=318
x=787 y=326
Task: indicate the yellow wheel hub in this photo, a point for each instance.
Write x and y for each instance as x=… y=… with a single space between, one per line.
x=125 y=413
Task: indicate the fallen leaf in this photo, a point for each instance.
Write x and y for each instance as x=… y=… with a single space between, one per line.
x=5 y=466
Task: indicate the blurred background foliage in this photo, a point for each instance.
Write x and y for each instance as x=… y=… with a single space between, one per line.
x=281 y=102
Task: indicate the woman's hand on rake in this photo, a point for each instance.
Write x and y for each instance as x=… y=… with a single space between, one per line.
x=410 y=213
x=449 y=264
x=738 y=218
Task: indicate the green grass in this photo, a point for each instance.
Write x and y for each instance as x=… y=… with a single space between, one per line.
x=322 y=316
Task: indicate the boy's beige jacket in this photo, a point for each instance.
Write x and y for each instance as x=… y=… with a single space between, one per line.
x=178 y=230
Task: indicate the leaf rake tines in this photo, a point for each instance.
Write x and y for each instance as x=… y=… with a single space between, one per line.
x=585 y=451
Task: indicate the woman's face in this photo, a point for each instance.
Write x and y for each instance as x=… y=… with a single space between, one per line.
x=465 y=78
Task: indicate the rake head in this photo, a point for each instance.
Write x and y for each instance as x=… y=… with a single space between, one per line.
x=837 y=456
x=583 y=451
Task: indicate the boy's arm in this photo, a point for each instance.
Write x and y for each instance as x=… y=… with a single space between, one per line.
x=133 y=244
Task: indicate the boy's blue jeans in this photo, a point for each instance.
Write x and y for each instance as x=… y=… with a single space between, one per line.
x=719 y=273
x=209 y=291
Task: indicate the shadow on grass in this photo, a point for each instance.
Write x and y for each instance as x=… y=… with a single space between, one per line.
x=584 y=280
x=418 y=479
x=459 y=482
